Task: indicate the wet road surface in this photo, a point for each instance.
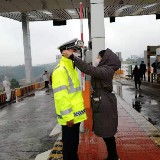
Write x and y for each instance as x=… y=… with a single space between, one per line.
x=145 y=101
x=25 y=127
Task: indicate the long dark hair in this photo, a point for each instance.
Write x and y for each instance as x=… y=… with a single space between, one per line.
x=136 y=67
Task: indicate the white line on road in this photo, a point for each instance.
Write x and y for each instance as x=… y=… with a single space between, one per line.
x=43 y=156
x=57 y=129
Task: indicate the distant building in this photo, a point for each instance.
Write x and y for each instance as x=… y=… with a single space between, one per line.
x=58 y=58
x=119 y=55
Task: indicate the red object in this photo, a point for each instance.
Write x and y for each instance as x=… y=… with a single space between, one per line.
x=50 y=79
x=81 y=10
x=83 y=75
x=132 y=142
x=82 y=36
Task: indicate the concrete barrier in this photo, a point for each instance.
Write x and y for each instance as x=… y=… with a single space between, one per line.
x=24 y=90
x=20 y=92
x=3 y=97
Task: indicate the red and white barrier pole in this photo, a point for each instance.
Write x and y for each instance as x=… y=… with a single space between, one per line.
x=81 y=17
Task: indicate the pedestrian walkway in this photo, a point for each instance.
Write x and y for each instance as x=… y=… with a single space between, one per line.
x=133 y=137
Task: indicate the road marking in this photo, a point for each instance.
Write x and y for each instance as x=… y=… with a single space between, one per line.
x=43 y=156
x=56 y=152
x=56 y=130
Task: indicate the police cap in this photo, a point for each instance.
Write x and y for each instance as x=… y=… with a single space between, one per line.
x=70 y=45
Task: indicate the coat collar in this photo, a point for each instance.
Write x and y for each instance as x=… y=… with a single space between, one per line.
x=66 y=61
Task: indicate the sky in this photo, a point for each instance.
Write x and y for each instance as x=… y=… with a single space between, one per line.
x=128 y=35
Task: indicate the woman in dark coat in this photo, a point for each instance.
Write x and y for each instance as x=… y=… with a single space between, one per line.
x=104 y=102
x=137 y=77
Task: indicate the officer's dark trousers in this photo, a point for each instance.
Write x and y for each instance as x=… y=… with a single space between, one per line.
x=70 y=138
x=111 y=147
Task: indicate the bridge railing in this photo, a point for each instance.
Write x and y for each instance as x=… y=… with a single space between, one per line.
x=19 y=92
x=3 y=97
x=155 y=78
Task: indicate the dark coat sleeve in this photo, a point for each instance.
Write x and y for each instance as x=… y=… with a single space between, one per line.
x=98 y=72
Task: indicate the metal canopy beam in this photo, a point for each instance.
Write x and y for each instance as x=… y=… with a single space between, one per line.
x=44 y=10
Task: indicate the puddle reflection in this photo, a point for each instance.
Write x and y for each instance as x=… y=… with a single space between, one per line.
x=142 y=101
x=136 y=103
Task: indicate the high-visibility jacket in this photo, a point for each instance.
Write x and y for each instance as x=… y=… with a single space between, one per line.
x=67 y=93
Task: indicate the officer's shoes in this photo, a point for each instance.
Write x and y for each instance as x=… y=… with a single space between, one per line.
x=116 y=158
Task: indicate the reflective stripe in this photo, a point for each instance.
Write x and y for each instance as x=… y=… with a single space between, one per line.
x=56 y=67
x=60 y=89
x=72 y=89
x=59 y=116
x=76 y=114
x=68 y=111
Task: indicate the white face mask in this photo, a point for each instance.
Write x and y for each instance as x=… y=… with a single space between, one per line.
x=97 y=62
x=75 y=54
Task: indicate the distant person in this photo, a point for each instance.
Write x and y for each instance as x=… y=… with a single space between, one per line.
x=143 y=70
x=46 y=79
x=137 y=77
x=7 y=85
x=154 y=65
x=50 y=79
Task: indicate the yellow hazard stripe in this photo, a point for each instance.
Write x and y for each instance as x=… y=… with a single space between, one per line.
x=55 y=155
x=56 y=152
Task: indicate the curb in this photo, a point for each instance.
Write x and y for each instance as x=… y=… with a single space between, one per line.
x=56 y=152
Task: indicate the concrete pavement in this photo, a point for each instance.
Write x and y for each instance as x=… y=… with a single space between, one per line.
x=25 y=127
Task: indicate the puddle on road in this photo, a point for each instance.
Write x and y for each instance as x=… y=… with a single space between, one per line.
x=142 y=103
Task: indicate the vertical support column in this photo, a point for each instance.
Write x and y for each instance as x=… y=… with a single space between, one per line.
x=27 y=48
x=97 y=28
x=148 y=59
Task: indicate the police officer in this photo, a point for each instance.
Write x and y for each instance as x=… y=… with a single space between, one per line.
x=68 y=101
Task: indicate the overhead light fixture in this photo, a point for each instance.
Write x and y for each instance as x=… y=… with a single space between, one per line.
x=121 y=2
x=126 y=6
x=71 y=11
x=151 y=5
x=45 y=11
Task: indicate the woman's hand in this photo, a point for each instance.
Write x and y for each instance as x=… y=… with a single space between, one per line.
x=66 y=53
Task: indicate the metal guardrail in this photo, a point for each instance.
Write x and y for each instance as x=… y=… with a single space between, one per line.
x=20 y=92
x=155 y=77
x=3 y=97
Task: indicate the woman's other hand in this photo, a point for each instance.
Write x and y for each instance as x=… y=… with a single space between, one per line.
x=66 y=53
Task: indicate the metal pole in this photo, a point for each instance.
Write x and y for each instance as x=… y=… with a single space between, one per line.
x=81 y=16
x=82 y=74
x=148 y=56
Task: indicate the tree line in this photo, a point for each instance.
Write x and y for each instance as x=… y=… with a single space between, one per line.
x=18 y=72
